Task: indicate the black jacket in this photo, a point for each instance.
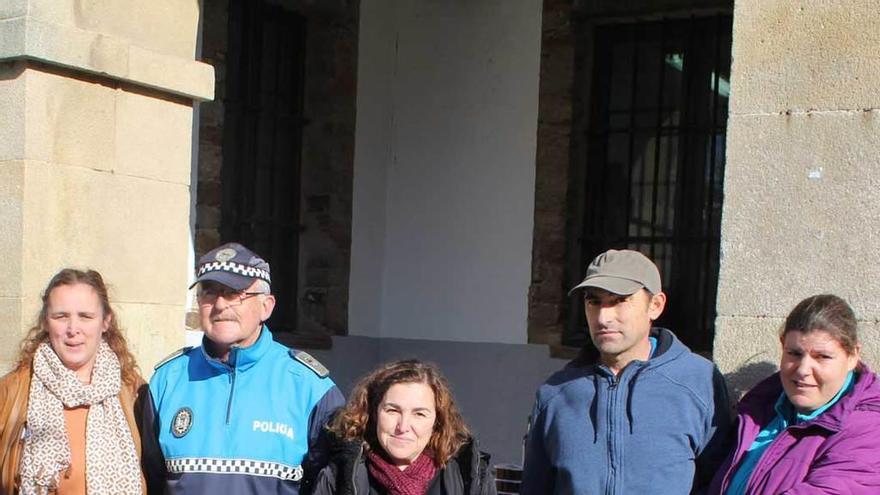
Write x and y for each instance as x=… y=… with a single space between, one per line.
x=467 y=473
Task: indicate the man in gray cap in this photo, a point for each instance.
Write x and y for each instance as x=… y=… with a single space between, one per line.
x=241 y=413
x=635 y=413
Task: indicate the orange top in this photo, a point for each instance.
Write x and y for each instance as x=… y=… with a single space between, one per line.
x=73 y=481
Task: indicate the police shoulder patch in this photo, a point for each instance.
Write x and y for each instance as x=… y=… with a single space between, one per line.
x=172 y=356
x=310 y=362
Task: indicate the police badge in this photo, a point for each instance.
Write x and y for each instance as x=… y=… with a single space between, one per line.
x=182 y=422
x=225 y=254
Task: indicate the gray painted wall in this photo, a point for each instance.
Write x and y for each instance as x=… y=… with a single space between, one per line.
x=494 y=384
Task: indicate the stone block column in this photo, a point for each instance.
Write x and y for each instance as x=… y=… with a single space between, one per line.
x=96 y=108
x=801 y=209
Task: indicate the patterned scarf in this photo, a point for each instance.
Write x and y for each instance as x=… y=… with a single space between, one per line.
x=112 y=465
x=413 y=480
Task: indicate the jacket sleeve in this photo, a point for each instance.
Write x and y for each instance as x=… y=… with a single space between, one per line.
x=718 y=440
x=152 y=459
x=539 y=476
x=487 y=479
x=325 y=483
x=849 y=464
x=319 y=441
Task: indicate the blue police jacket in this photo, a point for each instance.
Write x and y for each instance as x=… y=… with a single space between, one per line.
x=253 y=424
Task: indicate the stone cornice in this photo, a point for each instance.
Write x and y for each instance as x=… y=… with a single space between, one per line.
x=26 y=38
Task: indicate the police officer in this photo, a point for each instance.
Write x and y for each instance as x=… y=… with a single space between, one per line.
x=241 y=413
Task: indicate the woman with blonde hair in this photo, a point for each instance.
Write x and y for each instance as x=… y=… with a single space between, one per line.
x=67 y=409
x=401 y=434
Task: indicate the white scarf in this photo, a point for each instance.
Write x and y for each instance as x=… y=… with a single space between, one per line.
x=112 y=464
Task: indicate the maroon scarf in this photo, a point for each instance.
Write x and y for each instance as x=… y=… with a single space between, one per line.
x=411 y=481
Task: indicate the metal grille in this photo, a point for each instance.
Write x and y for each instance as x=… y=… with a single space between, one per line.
x=655 y=161
x=262 y=142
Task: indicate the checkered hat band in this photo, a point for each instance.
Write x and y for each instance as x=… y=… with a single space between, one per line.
x=232 y=267
x=234 y=466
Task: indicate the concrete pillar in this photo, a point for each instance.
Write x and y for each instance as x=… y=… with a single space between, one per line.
x=96 y=100
x=801 y=209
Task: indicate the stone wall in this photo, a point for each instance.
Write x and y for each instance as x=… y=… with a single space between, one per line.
x=95 y=145
x=801 y=214
x=326 y=159
x=555 y=107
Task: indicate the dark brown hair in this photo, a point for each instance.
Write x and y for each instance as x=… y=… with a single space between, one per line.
x=828 y=313
x=113 y=336
x=357 y=420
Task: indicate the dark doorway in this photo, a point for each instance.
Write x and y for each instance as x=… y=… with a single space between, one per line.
x=262 y=137
x=655 y=161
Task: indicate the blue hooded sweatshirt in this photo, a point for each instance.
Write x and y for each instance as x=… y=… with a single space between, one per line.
x=658 y=427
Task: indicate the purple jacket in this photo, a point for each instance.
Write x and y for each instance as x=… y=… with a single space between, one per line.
x=838 y=452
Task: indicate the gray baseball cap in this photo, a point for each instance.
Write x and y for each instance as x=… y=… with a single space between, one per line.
x=621 y=272
x=232 y=265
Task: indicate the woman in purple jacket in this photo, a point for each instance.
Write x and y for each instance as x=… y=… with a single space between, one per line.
x=814 y=427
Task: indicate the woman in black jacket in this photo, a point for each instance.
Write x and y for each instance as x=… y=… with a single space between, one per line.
x=401 y=434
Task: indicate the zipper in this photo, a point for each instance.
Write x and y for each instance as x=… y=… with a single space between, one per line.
x=233 y=358
x=354 y=466
x=612 y=396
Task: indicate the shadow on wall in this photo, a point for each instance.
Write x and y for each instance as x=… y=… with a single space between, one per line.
x=740 y=381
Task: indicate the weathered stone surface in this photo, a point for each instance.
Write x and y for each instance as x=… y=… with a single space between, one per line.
x=206 y=240
x=104 y=55
x=70 y=122
x=209 y=217
x=177 y=75
x=747 y=349
x=11 y=217
x=801 y=214
x=130 y=229
x=153 y=138
x=12 y=93
x=137 y=22
x=92 y=175
x=13 y=8
x=805 y=54
x=552 y=163
x=869 y=334
x=13 y=330
x=153 y=331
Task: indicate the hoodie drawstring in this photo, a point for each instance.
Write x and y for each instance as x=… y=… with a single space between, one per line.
x=594 y=408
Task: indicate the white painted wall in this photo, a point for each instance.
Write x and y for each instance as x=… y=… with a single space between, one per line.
x=444 y=181
x=372 y=154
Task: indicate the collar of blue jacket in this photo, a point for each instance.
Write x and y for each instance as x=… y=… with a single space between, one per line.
x=241 y=358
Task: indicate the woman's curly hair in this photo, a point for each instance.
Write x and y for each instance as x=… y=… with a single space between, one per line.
x=357 y=420
x=113 y=336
